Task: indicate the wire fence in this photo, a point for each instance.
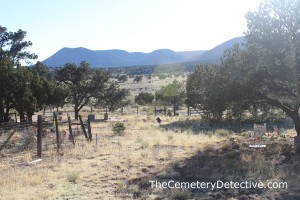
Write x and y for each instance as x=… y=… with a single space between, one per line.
x=40 y=135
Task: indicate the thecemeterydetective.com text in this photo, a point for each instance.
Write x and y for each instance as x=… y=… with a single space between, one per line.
x=171 y=184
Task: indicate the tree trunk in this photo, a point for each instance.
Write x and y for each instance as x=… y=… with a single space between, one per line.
x=297 y=126
x=174 y=109
x=22 y=116
x=6 y=115
x=297 y=144
x=296 y=120
x=76 y=112
x=29 y=117
x=1 y=110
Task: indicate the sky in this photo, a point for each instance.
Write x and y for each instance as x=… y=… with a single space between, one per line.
x=131 y=25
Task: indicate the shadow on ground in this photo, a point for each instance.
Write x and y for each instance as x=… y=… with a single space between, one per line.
x=234 y=161
x=197 y=126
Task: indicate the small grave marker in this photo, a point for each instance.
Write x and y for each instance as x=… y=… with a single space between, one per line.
x=158 y=120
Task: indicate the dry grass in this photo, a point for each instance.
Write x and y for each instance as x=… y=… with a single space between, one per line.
x=87 y=171
x=148 y=85
x=103 y=170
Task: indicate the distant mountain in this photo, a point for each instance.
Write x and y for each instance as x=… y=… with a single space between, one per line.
x=214 y=55
x=117 y=58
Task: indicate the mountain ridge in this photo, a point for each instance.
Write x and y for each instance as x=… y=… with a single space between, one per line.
x=120 y=58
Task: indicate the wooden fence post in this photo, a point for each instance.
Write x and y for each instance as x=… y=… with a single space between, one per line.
x=89 y=129
x=165 y=110
x=70 y=130
x=83 y=128
x=39 y=136
x=56 y=131
x=155 y=110
x=96 y=141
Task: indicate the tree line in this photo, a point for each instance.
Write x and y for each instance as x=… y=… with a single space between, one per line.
x=27 y=89
x=259 y=77
x=263 y=74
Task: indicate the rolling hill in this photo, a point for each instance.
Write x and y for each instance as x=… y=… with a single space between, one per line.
x=118 y=58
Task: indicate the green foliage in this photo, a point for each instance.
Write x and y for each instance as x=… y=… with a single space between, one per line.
x=122 y=78
x=222 y=132
x=144 y=98
x=173 y=94
x=143 y=143
x=113 y=97
x=138 y=78
x=262 y=75
x=15 y=88
x=206 y=91
x=85 y=84
x=118 y=128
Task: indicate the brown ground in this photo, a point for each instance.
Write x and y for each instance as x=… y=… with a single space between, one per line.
x=120 y=167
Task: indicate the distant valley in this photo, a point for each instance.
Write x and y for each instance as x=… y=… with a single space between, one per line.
x=121 y=58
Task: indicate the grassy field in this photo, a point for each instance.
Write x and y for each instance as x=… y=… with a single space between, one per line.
x=121 y=166
x=149 y=85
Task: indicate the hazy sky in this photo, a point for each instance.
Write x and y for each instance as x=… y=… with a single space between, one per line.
x=131 y=25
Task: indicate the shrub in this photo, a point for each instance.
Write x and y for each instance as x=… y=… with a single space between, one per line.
x=180 y=195
x=122 y=78
x=169 y=113
x=72 y=176
x=144 y=98
x=118 y=128
x=222 y=132
x=144 y=144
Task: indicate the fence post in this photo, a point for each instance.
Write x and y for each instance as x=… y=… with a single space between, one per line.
x=155 y=110
x=89 y=129
x=165 y=110
x=96 y=141
x=70 y=130
x=56 y=131
x=83 y=128
x=39 y=136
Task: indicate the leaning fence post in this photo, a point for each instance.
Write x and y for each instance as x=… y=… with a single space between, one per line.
x=70 y=130
x=56 y=130
x=89 y=129
x=83 y=128
x=39 y=136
